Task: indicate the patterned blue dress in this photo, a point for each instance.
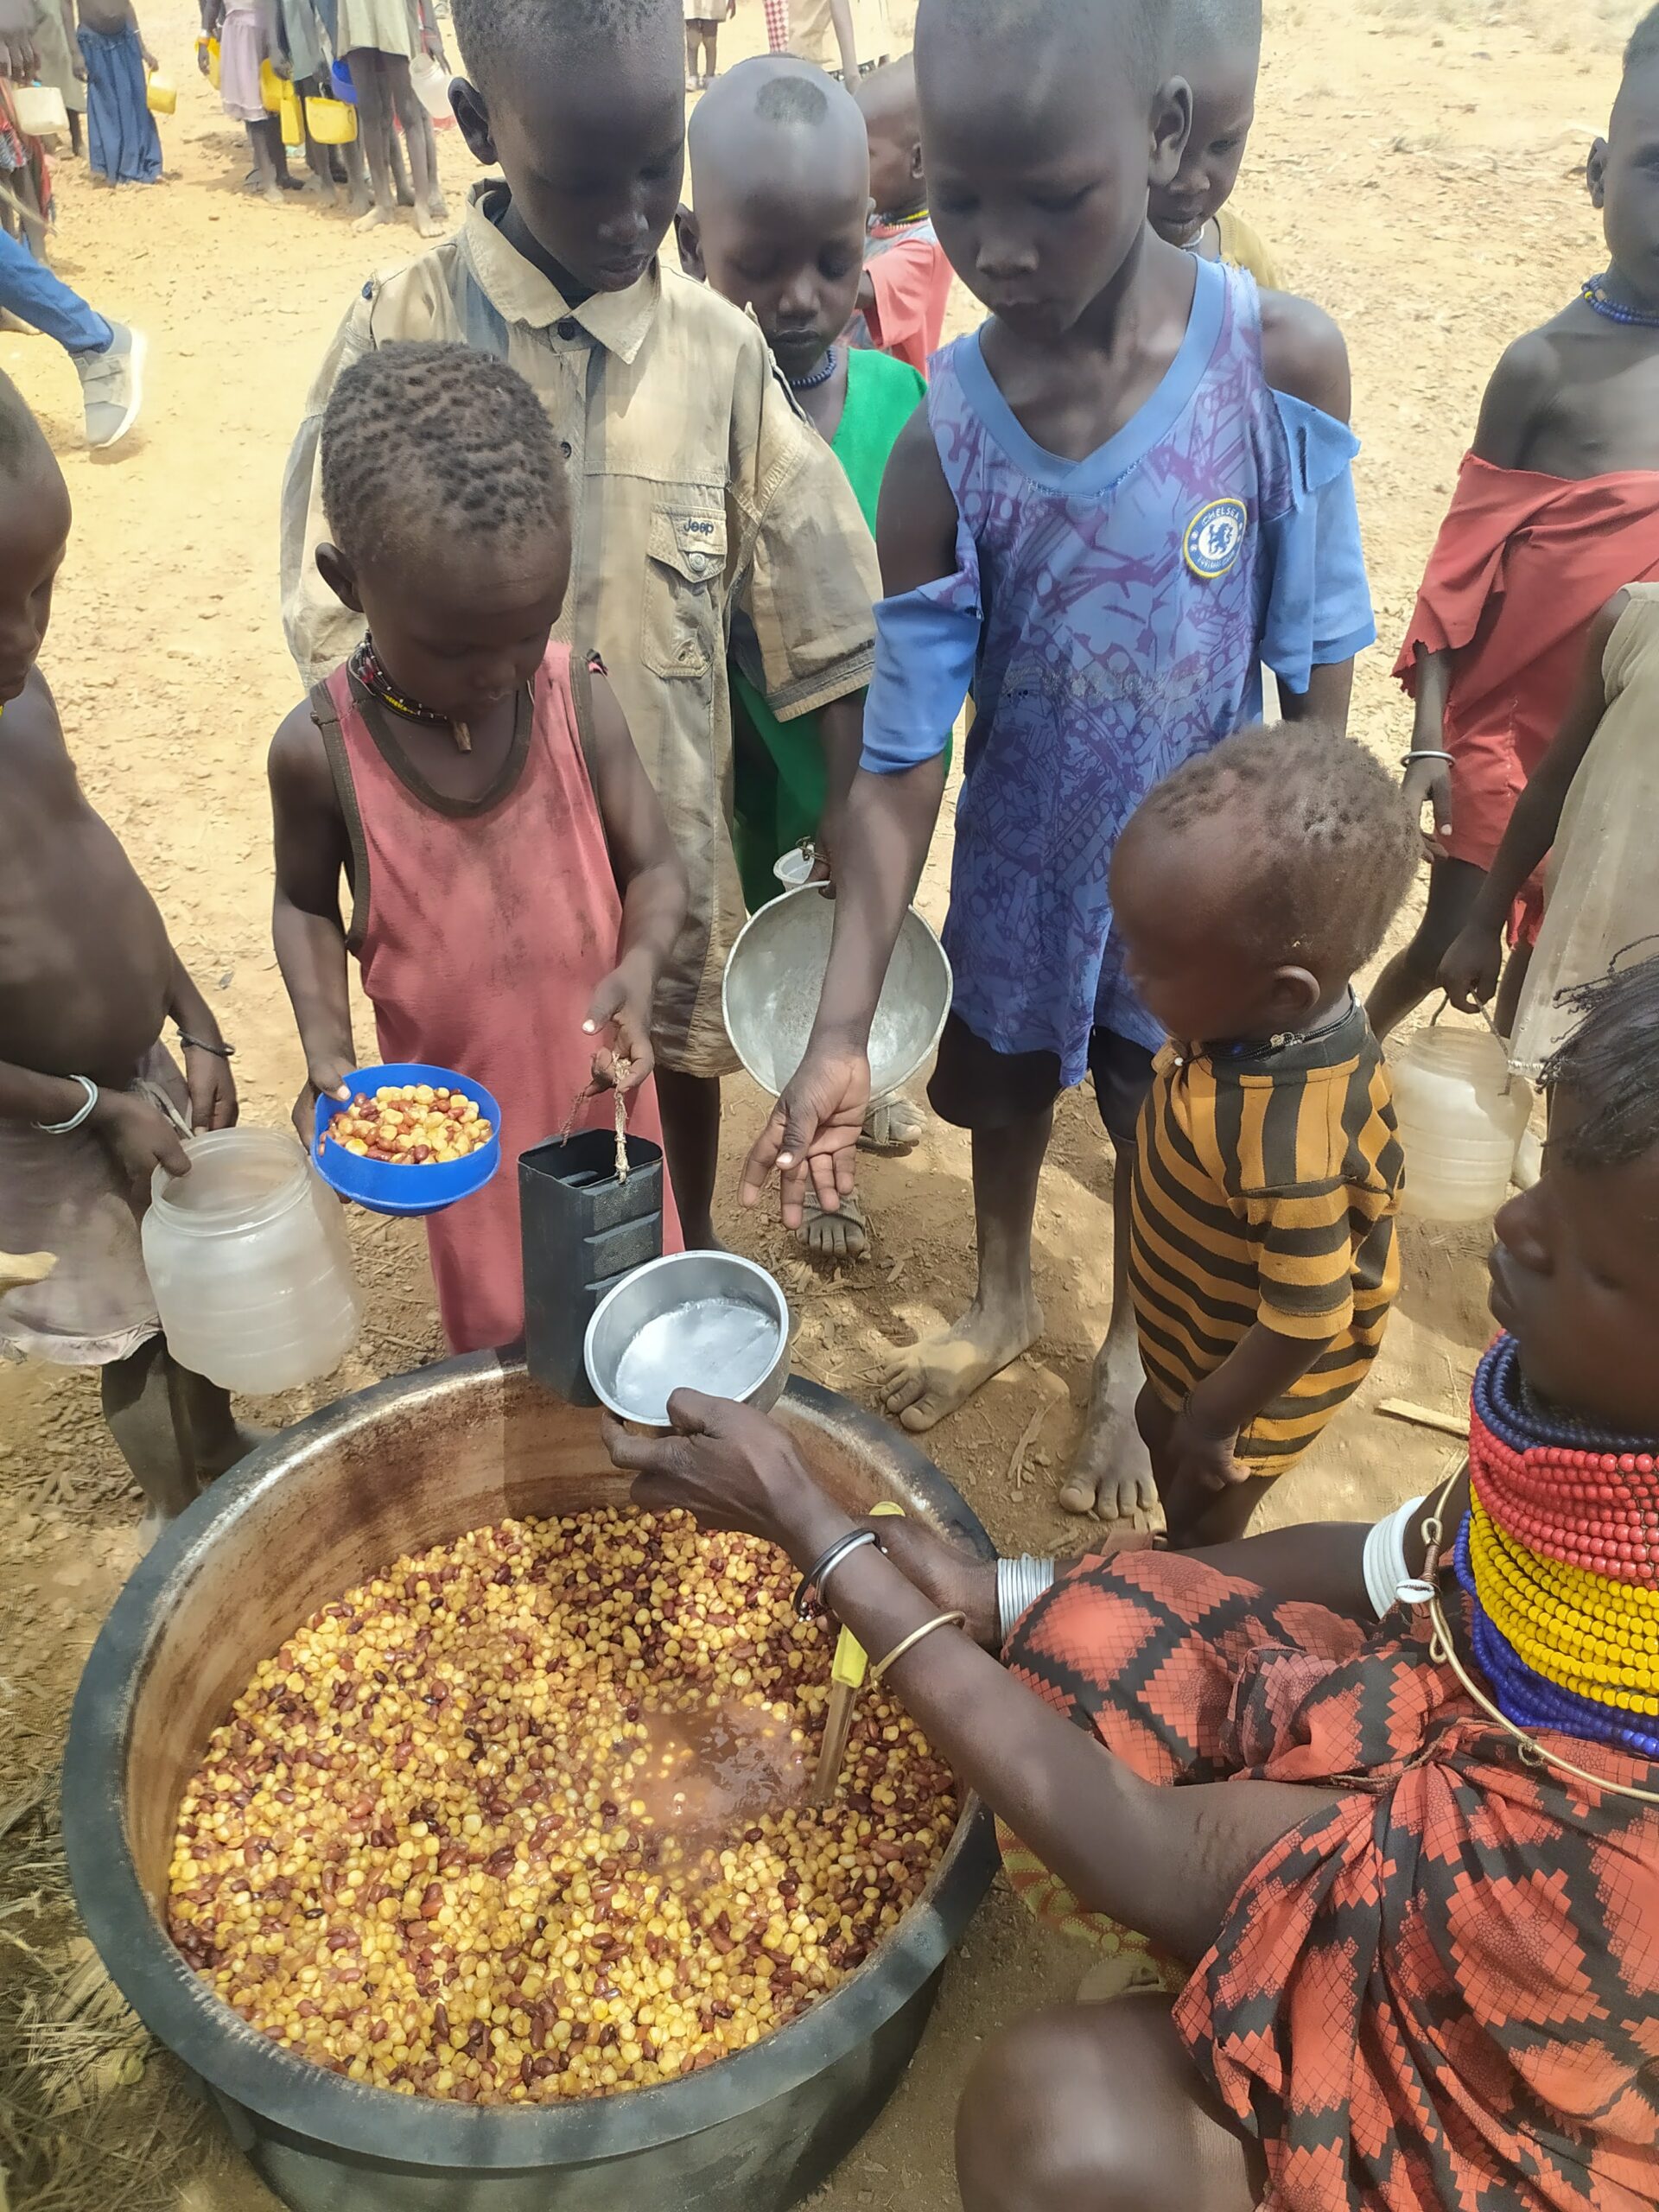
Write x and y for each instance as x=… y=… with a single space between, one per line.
x=1115 y=612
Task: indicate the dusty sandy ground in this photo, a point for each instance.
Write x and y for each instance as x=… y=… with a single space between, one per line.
x=1418 y=169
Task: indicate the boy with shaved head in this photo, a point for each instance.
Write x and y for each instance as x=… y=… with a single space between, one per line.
x=781 y=182
x=700 y=494
x=1217 y=45
x=906 y=286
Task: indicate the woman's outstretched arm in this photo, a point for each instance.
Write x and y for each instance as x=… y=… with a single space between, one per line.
x=1167 y=1862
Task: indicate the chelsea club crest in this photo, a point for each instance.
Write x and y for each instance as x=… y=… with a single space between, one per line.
x=1214 y=537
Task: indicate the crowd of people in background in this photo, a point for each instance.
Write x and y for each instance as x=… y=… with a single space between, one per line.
x=348 y=94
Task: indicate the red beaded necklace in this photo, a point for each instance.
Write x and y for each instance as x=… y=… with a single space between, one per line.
x=1590 y=1509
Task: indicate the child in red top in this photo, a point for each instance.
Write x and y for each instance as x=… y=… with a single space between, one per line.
x=1557 y=507
x=514 y=887
x=907 y=282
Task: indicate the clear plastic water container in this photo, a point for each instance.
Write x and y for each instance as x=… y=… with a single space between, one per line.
x=431 y=82
x=1461 y=1116
x=249 y=1264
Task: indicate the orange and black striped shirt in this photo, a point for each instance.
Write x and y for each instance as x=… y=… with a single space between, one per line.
x=1266 y=1185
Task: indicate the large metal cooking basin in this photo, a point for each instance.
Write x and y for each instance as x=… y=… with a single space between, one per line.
x=408 y=1464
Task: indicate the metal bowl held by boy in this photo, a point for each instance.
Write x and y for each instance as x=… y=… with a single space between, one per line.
x=705 y=1321
x=775 y=973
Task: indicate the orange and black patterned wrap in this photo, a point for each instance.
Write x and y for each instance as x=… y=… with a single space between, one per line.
x=1442 y=1990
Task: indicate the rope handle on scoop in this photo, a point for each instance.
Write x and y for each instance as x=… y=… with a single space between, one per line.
x=623 y=1068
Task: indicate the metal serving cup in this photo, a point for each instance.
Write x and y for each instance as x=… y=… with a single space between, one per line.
x=678 y=1285
x=770 y=995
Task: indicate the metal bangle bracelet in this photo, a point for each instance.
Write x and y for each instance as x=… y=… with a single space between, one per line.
x=811 y=1583
x=909 y=1643
x=823 y=1578
x=89 y=1101
x=220 y=1052
x=1020 y=1583
x=1424 y=752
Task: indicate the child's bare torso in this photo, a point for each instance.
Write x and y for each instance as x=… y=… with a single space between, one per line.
x=1595 y=412
x=105 y=15
x=86 y=965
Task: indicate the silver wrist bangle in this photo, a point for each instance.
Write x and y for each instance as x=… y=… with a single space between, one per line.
x=864 y=1536
x=1020 y=1583
x=1423 y=752
x=88 y=1103
x=811 y=1584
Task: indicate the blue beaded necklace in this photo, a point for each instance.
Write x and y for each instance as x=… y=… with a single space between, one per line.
x=1594 y=294
x=822 y=374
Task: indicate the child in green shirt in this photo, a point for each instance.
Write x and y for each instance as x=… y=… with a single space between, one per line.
x=780 y=180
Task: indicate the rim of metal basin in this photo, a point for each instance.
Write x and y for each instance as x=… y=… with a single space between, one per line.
x=216 y=2044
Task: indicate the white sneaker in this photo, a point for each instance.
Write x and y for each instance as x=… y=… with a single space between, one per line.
x=112 y=386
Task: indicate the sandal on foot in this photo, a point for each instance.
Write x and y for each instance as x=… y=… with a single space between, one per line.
x=893 y=1125
x=828 y=1238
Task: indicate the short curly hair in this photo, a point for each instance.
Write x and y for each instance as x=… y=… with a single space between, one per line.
x=424 y=434
x=1643 y=45
x=1204 y=27
x=1318 y=825
x=491 y=33
x=1141 y=26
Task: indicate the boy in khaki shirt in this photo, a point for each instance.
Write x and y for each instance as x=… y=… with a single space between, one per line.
x=698 y=488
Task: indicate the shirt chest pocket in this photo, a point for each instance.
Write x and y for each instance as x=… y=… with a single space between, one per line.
x=684 y=596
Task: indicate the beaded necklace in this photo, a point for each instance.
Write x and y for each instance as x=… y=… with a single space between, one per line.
x=900 y=222
x=1556 y=1556
x=1557 y=1486
x=822 y=374
x=1594 y=294
x=365 y=668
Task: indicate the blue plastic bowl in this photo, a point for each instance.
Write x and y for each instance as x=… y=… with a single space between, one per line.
x=343 y=88
x=390 y=1187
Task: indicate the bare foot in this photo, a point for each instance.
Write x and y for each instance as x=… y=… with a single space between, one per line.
x=922 y=1383
x=1111 y=1474
x=432 y=222
x=359 y=204
x=832 y=1237
x=374 y=219
x=271 y=191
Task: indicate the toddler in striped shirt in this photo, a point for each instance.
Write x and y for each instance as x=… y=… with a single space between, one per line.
x=1246 y=889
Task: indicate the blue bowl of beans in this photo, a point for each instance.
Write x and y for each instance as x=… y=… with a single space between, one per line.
x=410 y=1139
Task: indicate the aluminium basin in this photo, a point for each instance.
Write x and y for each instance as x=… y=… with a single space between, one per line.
x=410 y=1463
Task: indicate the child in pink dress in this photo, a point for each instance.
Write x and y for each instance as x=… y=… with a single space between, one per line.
x=514 y=889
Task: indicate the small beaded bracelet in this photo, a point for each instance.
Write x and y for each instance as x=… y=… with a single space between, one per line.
x=88 y=1104
x=811 y=1583
x=910 y=1642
